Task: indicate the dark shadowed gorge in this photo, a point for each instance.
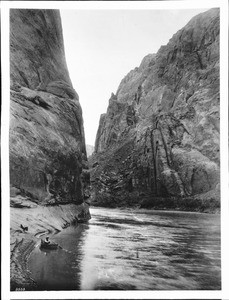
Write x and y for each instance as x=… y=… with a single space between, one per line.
x=158 y=143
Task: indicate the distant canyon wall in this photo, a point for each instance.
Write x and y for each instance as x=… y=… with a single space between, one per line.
x=47 y=146
x=160 y=135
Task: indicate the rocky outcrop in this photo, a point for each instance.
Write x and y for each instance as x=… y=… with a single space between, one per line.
x=48 y=159
x=160 y=135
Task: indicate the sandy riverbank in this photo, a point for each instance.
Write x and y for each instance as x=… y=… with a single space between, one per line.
x=40 y=220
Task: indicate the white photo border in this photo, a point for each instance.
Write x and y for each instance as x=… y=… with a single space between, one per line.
x=97 y=5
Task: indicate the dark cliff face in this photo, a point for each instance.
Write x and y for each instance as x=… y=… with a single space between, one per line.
x=160 y=135
x=47 y=148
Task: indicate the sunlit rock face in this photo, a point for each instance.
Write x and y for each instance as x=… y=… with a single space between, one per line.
x=160 y=135
x=47 y=148
x=89 y=150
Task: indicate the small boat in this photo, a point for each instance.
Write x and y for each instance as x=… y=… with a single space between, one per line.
x=51 y=246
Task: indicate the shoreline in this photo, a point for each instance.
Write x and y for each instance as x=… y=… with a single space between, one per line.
x=139 y=209
x=20 y=276
x=207 y=203
x=40 y=220
x=216 y=211
x=23 y=243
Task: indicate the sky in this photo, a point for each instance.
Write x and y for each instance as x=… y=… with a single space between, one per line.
x=102 y=46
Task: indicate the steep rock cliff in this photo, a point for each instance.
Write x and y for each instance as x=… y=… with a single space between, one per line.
x=160 y=135
x=47 y=149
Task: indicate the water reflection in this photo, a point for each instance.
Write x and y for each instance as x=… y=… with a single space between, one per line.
x=58 y=269
x=123 y=250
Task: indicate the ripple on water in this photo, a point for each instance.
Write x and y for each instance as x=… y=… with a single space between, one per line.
x=121 y=250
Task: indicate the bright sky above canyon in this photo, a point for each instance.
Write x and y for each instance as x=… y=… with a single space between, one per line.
x=102 y=46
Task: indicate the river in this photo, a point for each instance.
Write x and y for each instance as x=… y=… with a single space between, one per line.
x=133 y=250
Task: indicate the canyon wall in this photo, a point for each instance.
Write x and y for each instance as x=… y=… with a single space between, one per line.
x=159 y=138
x=48 y=160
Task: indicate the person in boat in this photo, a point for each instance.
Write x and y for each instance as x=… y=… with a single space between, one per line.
x=47 y=241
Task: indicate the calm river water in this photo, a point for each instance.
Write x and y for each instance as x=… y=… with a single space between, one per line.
x=133 y=249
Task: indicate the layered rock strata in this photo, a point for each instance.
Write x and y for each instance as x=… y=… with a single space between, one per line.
x=159 y=138
x=47 y=148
